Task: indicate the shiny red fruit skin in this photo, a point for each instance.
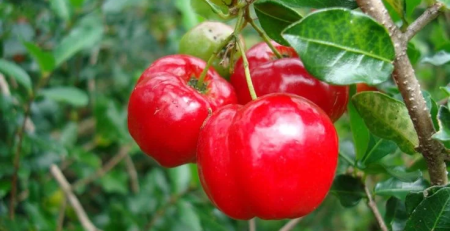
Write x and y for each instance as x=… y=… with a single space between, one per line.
x=274 y=158
x=362 y=87
x=165 y=114
x=287 y=75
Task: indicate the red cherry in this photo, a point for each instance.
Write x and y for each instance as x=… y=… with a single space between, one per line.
x=275 y=158
x=361 y=87
x=286 y=75
x=165 y=112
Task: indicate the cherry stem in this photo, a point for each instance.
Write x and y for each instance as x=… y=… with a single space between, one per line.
x=224 y=43
x=251 y=89
x=262 y=34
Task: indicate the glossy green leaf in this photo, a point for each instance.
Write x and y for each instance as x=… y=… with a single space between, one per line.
x=411 y=6
x=322 y=3
x=444 y=126
x=398 y=6
x=377 y=149
x=86 y=34
x=399 y=189
x=274 y=17
x=188 y=216
x=396 y=215
x=189 y=16
x=415 y=198
x=348 y=189
x=360 y=132
x=14 y=71
x=387 y=118
x=180 y=178
x=439 y=59
x=45 y=60
x=433 y=213
x=401 y=174
x=432 y=107
x=61 y=8
x=413 y=53
x=446 y=3
x=70 y=95
x=350 y=47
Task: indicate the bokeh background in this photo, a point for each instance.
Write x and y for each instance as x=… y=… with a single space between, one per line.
x=84 y=57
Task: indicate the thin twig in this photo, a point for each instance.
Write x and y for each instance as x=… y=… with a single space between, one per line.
x=429 y=15
x=374 y=208
x=409 y=86
x=106 y=168
x=61 y=215
x=291 y=224
x=252 y=225
x=131 y=169
x=67 y=188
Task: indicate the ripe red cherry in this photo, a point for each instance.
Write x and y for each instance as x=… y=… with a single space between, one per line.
x=286 y=75
x=165 y=111
x=274 y=158
x=361 y=87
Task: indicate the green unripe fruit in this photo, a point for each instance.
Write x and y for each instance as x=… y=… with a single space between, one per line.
x=203 y=40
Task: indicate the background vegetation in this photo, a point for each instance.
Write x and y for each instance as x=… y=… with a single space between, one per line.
x=67 y=69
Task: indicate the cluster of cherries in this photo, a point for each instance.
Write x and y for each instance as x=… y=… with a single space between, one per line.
x=273 y=157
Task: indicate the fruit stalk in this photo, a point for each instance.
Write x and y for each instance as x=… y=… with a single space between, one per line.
x=248 y=77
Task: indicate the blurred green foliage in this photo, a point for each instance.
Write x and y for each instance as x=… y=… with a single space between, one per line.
x=71 y=65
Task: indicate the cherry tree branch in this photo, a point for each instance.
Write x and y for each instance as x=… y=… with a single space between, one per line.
x=291 y=224
x=429 y=15
x=73 y=200
x=409 y=86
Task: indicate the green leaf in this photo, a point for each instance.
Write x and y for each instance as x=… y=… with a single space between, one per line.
x=61 y=8
x=387 y=118
x=443 y=134
x=351 y=4
x=360 y=132
x=401 y=174
x=189 y=17
x=5 y=187
x=439 y=59
x=396 y=215
x=45 y=60
x=70 y=95
x=411 y=6
x=353 y=47
x=16 y=72
x=399 y=189
x=180 y=178
x=86 y=34
x=413 y=53
x=348 y=189
x=188 y=216
x=432 y=107
x=69 y=134
x=115 y=182
x=446 y=3
x=398 y=6
x=433 y=213
x=415 y=198
x=274 y=17
x=377 y=149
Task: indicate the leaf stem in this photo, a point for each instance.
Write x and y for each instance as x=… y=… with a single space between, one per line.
x=217 y=10
x=262 y=34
